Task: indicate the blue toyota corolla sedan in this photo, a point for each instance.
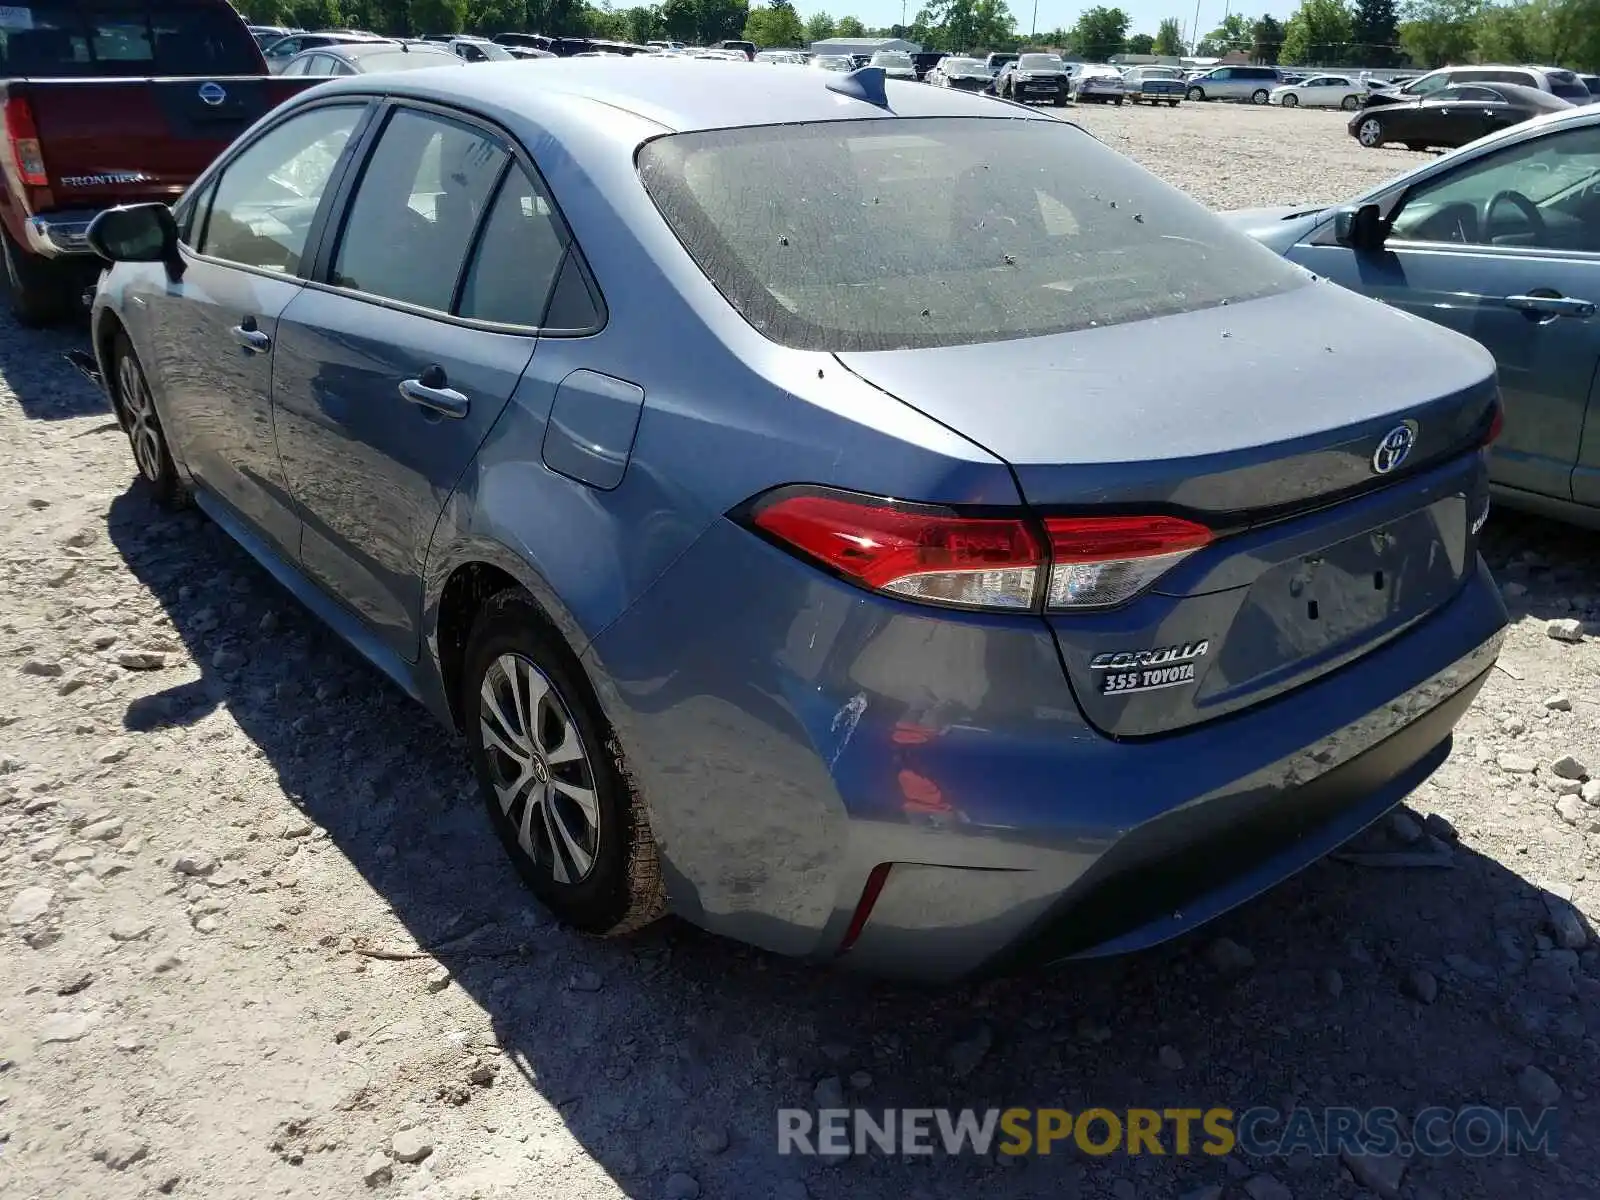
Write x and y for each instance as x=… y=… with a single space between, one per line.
x=866 y=520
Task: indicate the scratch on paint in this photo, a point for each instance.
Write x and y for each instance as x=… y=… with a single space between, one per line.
x=849 y=716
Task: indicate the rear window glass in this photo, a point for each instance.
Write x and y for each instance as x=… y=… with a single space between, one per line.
x=904 y=233
x=1039 y=62
x=408 y=60
x=87 y=40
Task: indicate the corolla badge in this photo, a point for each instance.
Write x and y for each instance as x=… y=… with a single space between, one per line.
x=1394 y=449
x=213 y=93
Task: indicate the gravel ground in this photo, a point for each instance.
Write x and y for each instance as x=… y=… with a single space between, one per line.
x=258 y=939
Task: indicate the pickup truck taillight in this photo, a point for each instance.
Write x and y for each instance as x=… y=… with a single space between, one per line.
x=22 y=137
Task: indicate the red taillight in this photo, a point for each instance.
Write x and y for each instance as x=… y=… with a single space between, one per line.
x=916 y=551
x=22 y=136
x=869 y=897
x=1496 y=424
x=938 y=556
x=1099 y=561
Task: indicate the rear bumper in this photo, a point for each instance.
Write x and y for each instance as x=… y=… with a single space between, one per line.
x=60 y=234
x=793 y=735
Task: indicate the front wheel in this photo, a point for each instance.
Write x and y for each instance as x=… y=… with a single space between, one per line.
x=1061 y=101
x=1370 y=133
x=1172 y=104
x=549 y=770
x=1195 y=93
x=136 y=413
x=1290 y=100
x=1118 y=102
x=1259 y=96
x=1350 y=103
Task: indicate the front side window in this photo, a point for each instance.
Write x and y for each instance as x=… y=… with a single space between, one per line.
x=1427 y=84
x=285 y=49
x=269 y=193
x=407 y=231
x=837 y=236
x=1543 y=193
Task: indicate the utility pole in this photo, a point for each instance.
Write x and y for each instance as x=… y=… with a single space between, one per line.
x=1194 y=30
x=1033 y=31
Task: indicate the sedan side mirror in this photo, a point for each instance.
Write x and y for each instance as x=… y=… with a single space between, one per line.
x=1359 y=228
x=138 y=233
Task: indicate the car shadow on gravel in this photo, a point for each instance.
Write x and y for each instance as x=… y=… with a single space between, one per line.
x=670 y=1053
x=30 y=363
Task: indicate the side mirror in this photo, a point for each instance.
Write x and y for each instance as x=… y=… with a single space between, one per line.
x=1359 y=228
x=137 y=233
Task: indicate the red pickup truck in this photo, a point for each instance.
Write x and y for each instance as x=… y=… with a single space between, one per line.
x=109 y=102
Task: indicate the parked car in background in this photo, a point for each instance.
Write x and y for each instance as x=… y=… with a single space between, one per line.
x=832 y=62
x=1499 y=240
x=526 y=52
x=996 y=63
x=748 y=49
x=281 y=51
x=791 y=58
x=1031 y=78
x=1051 y=677
x=111 y=103
x=1099 y=83
x=529 y=41
x=265 y=35
x=924 y=61
x=1591 y=83
x=1452 y=116
x=1154 y=85
x=1252 y=84
x=478 y=50
x=1554 y=80
x=894 y=64
x=366 y=58
x=1320 y=91
x=963 y=74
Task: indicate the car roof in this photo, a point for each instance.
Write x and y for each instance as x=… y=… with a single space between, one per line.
x=676 y=97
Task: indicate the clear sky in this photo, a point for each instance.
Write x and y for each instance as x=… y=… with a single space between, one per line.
x=1053 y=14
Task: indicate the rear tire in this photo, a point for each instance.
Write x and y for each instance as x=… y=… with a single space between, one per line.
x=1350 y=104
x=1172 y=104
x=41 y=289
x=1118 y=102
x=136 y=413
x=1260 y=96
x=575 y=829
x=1196 y=94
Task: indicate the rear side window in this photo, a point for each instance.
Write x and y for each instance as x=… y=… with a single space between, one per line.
x=903 y=233
x=88 y=40
x=518 y=256
x=409 y=227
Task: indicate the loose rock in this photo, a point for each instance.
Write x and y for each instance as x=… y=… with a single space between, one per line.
x=681 y=1187
x=1565 y=629
x=1567 y=767
x=584 y=980
x=1381 y=1173
x=1266 y=1187
x=102 y=831
x=710 y=1139
x=1560 y=702
x=411 y=1145
x=1566 y=923
x=438 y=978
x=1517 y=764
x=1170 y=1058
x=29 y=905
x=1229 y=959
x=964 y=1056
x=829 y=1093
x=119 y=1151
x=65 y=1027
x=129 y=929
x=1421 y=985
x=1537 y=1088
x=378 y=1169
x=141 y=660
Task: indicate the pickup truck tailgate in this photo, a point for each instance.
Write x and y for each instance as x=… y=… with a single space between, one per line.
x=120 y=141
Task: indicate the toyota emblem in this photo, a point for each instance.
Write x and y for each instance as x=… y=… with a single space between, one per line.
x=213 y=93
x=1394 y=449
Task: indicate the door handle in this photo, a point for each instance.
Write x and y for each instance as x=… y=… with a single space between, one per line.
x=1552 y=306
x=251 y=338
x=431 y=390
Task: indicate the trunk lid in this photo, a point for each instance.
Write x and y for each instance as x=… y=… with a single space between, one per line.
x=1262 y=421
x=120 y=141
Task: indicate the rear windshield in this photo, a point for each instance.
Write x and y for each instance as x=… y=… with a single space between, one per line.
x=408 y=60
x=907 y=233
x=86 y=40
x=1039 y=62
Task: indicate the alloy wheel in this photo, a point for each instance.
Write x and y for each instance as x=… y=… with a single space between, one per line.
x=540 y=768
x=1349 y=104
x=1370 y=133
x=1290 y=100
x=1195 y=93
x=1259 y=96
x=144 y=430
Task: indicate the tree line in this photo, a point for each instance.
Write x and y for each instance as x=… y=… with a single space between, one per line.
x=1327 y=33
